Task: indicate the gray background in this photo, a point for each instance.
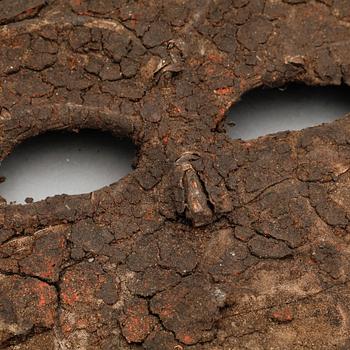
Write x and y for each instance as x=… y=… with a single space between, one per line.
x=80 y=163
x=59 y=163
x=266 y=111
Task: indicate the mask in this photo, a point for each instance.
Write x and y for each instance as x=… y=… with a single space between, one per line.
x=210 y=243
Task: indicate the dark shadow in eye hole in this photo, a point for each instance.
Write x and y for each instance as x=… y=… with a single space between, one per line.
x=60 y=162
x=265 y=111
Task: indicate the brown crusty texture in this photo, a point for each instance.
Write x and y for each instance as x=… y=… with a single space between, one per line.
x=210 y=243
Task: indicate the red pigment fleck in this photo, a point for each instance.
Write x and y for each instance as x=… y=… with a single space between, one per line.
x=215 y=58
x=136 y=328
x=165 y=140
x=70 y=298
x=209 y=70
x=30 y=11
x=50 y=269
x=224 y=90
x=283 y=315
x=166 y=312
x=187 y=339
x=76 y=2
x=149 y=215
x=42 y=293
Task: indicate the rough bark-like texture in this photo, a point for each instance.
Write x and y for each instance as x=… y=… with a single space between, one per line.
x=210 y=243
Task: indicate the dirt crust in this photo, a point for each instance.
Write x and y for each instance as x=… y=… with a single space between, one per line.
x=210 y=243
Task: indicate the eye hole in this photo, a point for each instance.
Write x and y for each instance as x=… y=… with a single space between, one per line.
x=57 y=163
x=265 y=111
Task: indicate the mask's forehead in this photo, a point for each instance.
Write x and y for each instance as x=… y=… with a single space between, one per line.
x=210 y=242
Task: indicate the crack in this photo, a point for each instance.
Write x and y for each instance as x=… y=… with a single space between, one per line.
x=161 y=322
x=295 y=301
x=25 y=275
x=261 y=192
x=34 y=330
x=242 y=335
x=17 y=18
x=111 y=24
x=314 y=207
x=23 y=338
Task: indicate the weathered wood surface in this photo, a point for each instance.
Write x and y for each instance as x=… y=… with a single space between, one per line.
x=210 y=243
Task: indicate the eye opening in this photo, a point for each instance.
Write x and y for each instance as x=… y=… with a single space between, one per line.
x=264 y=111
x=61 y=162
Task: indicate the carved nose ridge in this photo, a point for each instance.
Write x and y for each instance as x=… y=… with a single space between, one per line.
x=193 y=196
x=193 y=201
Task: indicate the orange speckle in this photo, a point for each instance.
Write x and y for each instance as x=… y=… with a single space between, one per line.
x=209 y=70
x=70 y=298
x=222 y=111
x=42 y=293
x=283 y=315
x=76 y=2
x=165 y=140
x=224 y=90
x=66 y=328
x=217 y=118
x=187 y=339
x=81 y=324
x=132 y=23
x=30 y=11
x=166 y=311
x=215 y=58
x=50 y=265
x=42 y=300
x=149 y=215
x=136 y=328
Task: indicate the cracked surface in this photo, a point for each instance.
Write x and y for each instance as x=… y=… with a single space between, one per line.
x=210 y=243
